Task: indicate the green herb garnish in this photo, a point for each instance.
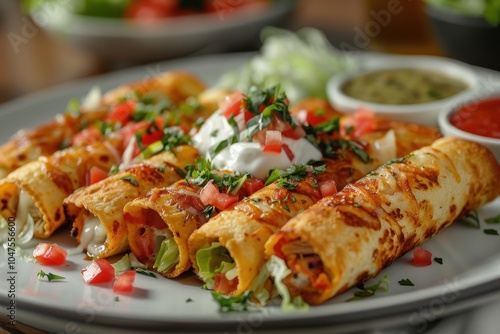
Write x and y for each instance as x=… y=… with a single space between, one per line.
x=50 y=276
x=491 y=232
x=233 y=304
x=368 y=291
x=493 y=220
x=438 y=260
x=129 y=178
x=406 y=282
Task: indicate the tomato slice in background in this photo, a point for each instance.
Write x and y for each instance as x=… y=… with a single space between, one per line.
x=124 y=282
x=95 y=174
x=50 y=254
x=422 y=257
x=151 y=10
x=99 y=271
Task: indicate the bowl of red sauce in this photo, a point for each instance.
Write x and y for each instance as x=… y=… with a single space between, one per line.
x=476 y=119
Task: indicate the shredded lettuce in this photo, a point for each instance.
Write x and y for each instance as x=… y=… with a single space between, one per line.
x=168 y=255
x=300 y=62
x=212 y=260
x=278 y=270
x=234 y=304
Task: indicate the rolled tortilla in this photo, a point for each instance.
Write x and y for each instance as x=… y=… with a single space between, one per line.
x=29 y=144
x=39 y=187
x=168 y=214
x=164 y=213
x=244 y=228
x=97 y=210
x=351 y=236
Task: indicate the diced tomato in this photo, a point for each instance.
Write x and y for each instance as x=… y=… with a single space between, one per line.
x=288 y=152
x=124 y=282
x=223 y=285
x=277 y=248
x=129 y=131
x=122 y=112
x=147 y=10
x=273 y=142
x=87 y=136
x=232 y=104
x=94 y=175
x=327 y=188
x=149 y=138
x=311 y=117
x=422 y=257
x=210 y=195
x=252 y=184
x=361 y=122
x=99 y=271
x=50 y=254
x=321 y=282
x=294 y=133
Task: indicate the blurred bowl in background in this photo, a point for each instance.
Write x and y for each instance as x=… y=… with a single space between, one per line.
x=431 y=73
x=467 y=38
x=476 y=118
x=139 y=42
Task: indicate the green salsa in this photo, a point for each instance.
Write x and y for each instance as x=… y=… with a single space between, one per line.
x=403 y=86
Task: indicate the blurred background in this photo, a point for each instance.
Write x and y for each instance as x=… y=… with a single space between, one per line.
x=50 y=46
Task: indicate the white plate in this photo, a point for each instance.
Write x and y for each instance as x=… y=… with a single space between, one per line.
x=469 y=275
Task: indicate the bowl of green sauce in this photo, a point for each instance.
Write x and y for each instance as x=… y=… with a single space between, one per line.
x=404 y=88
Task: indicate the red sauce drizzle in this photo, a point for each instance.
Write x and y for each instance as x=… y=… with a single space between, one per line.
x=482 y=118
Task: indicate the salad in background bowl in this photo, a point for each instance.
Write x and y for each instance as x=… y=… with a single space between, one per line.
x=139 y=31
x=467 y=30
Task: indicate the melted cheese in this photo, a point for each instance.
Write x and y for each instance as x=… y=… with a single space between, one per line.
x=93 y=236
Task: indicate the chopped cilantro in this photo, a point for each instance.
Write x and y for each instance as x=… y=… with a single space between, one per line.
x=493 y=220
x=282 y=182
x=145 y=272
x=438 y=260
x=130 y=179
x=117 y=299
x=368 y=291
x=471 y=219
x=406 y=282
x=189 y=300
x=233 y=304
x=113 y=170
x=73 y=108
x=491 y=232
x=50 y=276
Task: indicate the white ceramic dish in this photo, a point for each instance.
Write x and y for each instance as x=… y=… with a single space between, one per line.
x=122 y=41
x=448 y=129
x=423 y=113
x=469 y=275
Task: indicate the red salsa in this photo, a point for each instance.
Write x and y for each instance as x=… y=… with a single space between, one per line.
x=481 y=118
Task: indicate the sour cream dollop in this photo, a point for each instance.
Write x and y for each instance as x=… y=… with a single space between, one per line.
x=248 y=157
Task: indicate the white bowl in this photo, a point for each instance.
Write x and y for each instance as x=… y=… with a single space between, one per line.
x=449 y=130
x=422 y=113
x=125 y=41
